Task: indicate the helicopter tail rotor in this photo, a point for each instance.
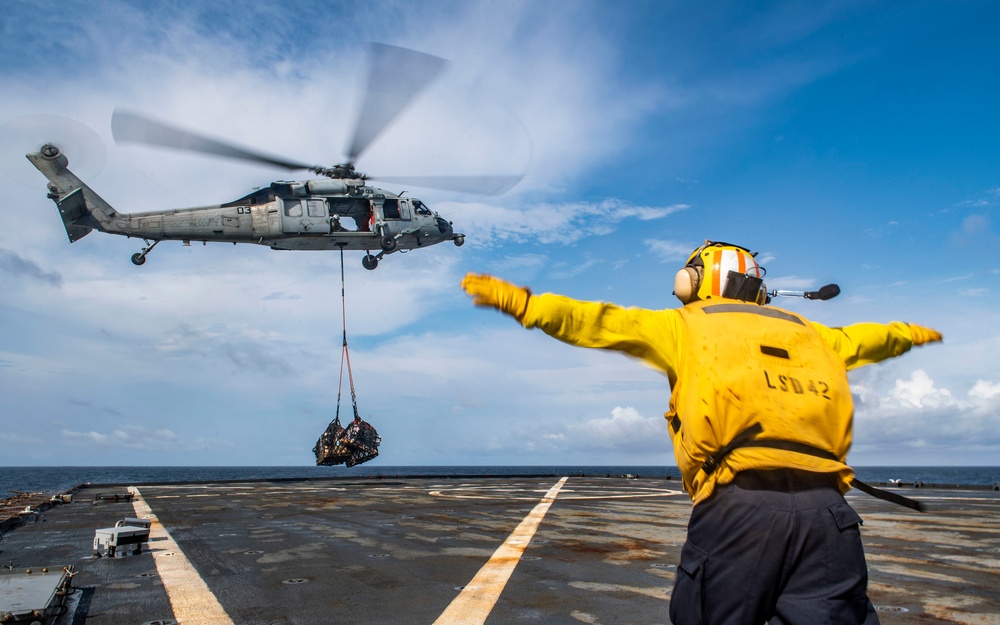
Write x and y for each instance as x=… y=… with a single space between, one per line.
x=30 y=133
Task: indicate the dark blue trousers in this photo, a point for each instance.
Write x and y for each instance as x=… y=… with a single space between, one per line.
x=781 y=547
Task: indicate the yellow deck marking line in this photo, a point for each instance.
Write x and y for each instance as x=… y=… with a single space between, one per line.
x=476 y=601
x=190 y=599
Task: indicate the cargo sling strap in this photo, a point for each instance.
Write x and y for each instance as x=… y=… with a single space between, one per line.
x=359 y=441
x=748 y=438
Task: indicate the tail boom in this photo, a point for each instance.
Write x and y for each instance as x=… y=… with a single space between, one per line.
x=81 y=209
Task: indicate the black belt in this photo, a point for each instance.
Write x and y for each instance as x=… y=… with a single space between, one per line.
x=747 y=438
x=784 y=480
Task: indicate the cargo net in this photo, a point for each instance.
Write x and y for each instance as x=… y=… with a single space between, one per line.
x=359 y=441
x=356 y=443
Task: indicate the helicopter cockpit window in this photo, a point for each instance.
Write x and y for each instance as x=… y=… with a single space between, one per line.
x=390 y=208
x=293 y=208
x=317 y=208
x=421 y=208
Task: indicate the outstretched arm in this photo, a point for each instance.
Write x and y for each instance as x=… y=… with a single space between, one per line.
x=645 y=334
x=865 y=343
x=490 y=292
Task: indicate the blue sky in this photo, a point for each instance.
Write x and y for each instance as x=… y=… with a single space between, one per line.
x=847 y=142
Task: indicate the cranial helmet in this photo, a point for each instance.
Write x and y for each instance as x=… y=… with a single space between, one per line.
x=721 y=270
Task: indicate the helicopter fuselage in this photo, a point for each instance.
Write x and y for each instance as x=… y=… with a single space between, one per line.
x=322 y=214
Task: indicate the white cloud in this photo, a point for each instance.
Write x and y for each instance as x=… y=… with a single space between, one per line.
x=669 y=251
x=919 y=391
x=493 y=225
x=984 y=390
x=130 y=436
x=625 y=430
x=915 y=412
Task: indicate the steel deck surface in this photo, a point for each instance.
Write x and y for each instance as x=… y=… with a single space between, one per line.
x=469 y=550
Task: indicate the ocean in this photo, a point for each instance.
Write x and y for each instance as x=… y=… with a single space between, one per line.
x=55 y=480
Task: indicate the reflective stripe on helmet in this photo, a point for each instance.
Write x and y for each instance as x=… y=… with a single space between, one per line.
x=725 y=260
x=717 y=283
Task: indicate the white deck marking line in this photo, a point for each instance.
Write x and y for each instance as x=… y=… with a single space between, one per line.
x=476 y=601
x=190 y=599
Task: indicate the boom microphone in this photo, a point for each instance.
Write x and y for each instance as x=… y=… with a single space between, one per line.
x=829 y=291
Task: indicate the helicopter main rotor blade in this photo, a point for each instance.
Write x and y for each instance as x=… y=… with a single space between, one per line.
x=395 y=78
x=481 y=185
x=132 y=127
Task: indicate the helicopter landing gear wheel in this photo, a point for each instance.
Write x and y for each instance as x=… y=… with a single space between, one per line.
x=139 y=258
x=388 y=243
x=369 y=262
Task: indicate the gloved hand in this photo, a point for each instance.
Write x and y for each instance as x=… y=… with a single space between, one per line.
x=923 y=335
x=486 y=290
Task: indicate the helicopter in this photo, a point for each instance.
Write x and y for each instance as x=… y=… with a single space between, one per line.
x=340 y=210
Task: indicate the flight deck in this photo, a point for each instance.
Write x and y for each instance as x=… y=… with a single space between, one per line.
x=432 y=550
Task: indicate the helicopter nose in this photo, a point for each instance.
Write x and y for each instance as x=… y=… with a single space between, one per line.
x=444 y=227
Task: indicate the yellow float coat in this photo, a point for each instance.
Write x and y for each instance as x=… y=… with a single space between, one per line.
x=732 y=365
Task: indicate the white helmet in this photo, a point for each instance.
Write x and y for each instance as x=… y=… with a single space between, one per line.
x=721 y=270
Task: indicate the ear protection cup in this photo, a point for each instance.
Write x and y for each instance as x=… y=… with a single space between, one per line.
x=686 y=284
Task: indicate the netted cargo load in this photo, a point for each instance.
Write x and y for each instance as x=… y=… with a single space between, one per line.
x=329 y=450
x=353 y=445
x=359 y=441
x=363 y=441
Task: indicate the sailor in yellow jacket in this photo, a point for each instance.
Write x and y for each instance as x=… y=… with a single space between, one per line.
x=761 y=422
